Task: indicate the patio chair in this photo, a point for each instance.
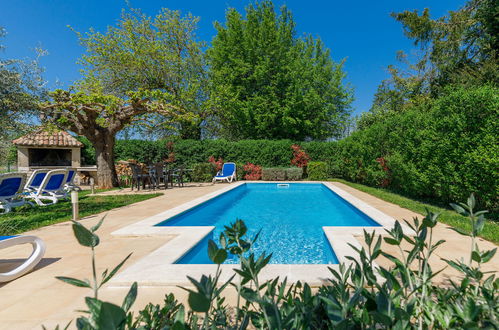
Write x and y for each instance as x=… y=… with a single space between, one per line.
x=138 y=177
x=35 y=180
x=177 y=176
x=70 y=185
x=228 y=173
x=51 y=188
x=11 y=187
x=30 y=263
x=158 y=175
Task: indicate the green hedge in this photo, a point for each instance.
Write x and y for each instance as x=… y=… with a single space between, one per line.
x=440 y=150
x=202 y=172
x=317 y=171
x=265 y=153
x=282 y=174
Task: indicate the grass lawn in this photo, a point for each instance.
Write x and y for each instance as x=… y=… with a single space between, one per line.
x=26 y=218
x=447 y=216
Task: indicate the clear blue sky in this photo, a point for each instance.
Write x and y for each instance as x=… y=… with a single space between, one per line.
x=360 y=31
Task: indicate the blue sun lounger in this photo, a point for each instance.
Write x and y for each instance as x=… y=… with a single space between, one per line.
x=28 y=264
x=228 y=173
x=70 y=185
x=51 y=189
x=35 y=180
x=11 y=186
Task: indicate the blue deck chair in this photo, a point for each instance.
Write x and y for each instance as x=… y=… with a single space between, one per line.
x=70 y=185
x=228 y=173
x=28 y=264
x=11 y=186
x=51 y=188
x=35 y=180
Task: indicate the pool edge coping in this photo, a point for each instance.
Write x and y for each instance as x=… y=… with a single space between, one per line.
x=158 y=268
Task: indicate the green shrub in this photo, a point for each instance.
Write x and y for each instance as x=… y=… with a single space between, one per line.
x=273 y=174
x=294 y=173
x=266 y=153
x=317 y=171
x=240 y=171
x=438 y=150
x=202 y=172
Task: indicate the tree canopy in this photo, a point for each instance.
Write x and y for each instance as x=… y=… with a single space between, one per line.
x=142 y=67
x=460 y=48
x=160 y=53
x=267 y=83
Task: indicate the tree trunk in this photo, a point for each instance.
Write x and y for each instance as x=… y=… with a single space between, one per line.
x=104 y=154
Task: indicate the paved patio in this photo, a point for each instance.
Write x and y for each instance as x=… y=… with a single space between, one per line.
x=38 y=298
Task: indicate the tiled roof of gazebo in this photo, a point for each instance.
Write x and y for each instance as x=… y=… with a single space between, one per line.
x=48 y=139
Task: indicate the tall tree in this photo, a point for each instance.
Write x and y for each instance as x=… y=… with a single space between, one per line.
x=267 y=83
x=140 y=69
x=99 y=117
x=160 y=53
x=460 y=48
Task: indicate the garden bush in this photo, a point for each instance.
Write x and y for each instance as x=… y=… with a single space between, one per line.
x=252 y=172
x=359 y=295
x=240 y=171
x=317 y=171
x=294 y=173
x=203 y=172
x=438 y=150
x=274 y=174
x=267 y=153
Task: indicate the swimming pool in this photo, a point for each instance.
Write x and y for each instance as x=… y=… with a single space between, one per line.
x=290 y=217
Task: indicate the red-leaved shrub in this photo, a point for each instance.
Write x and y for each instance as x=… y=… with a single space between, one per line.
x=300 y=157
x=217 y=164
x=253 y=172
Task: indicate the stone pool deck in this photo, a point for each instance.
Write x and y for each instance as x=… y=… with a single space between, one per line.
x=38 y=298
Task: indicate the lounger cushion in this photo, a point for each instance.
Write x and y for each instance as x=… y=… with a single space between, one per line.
x=55 y=182
x=37 y=180
x=71 y=174
x=6 y=237
x=10 y=186
x=227 y=170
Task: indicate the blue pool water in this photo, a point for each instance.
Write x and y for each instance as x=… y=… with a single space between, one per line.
x=290 y=220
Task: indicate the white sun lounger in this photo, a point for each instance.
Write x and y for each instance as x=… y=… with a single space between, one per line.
x=70 y=185
x=51 y=189
x=35 y=180
x=30 y=263
x=228 y=173
x=11 y=186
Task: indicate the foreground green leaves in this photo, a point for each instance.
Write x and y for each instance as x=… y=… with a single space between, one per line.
x=358 y=295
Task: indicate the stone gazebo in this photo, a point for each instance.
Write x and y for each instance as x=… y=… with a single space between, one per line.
x=51 y=149
x=46 y=149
